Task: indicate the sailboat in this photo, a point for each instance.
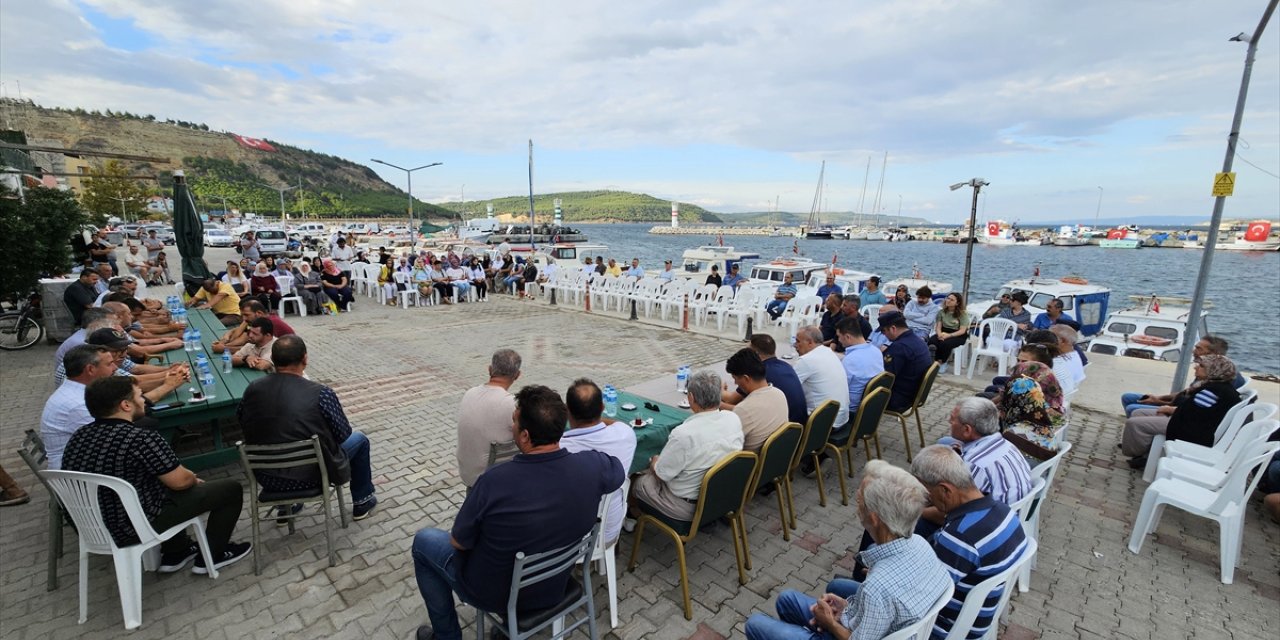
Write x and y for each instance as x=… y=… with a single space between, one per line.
x=814 y=227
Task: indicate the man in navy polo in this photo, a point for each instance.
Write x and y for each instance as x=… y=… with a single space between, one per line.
x=544 y=498
x=907 y=358
x=778 y=374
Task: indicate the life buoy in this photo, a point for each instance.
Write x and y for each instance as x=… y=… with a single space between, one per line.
x=1073 y=280
x=784 y=263
x=1151 y=340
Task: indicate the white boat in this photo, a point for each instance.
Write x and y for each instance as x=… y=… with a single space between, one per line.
x=939 y=288
x=567 y=253
x=479 y=229
x=1256 y=237
x=998 y=232
x=876 y=234
x=1069 y=236
x=1155 y=329
x=696 y=263
x=770 y=274
x=850 y=280
x=1083 y=302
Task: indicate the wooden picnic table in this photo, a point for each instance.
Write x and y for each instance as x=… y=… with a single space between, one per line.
x=650 y=438
x=214 y=411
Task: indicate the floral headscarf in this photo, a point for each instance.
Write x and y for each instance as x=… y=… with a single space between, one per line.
x=330 y=268
x=1043 y=376
x=1217 y=368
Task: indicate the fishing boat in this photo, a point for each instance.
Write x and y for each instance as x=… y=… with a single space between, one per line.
x=770 y=274
x=1120 y=238
x=939 y=288
x=1255 y=237
x=1083 y=302
x=1069 y=236
x=479 y=229
x=1154 y=329
x=697 y=262
x=999 y=233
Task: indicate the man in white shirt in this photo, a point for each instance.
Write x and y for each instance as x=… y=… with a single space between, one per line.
x=821 y=373
x=485 y=416
x=765 y=407
x=668 y=274
x=673 y=480
x=65 y=410
x=635 y=271
x=589 y=432
x=342 y=256
x=1066 y=365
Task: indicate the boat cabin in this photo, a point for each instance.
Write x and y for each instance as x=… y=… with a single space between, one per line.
x=771 y=273
x=1083 y=302
x=696 y=263
x=850 y=281
x=573 y=253
x=1151 y=331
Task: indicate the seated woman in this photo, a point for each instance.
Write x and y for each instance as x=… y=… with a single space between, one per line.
x=901 y=297
x=337 y=286
x=236 y=278
x=421 y=278
x=478 y=281
x=306 y=281
x=1029 y=352
x=386 y=280
x=270 y=261
x=1193 y=415
x=1027 y=419
x=950 y=329
x=264 y=288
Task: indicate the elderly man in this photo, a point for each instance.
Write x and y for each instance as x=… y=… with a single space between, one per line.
x=92 y=320
x=287 y=407
x=765 y=407
x=1066 y=363
x=778 y=374
x=999 y=470
x=821 y=374
x=613 y=269
x=781 y=298
x=484 y=417
x=219 y=297
x=81 y=294
x=904 y=581
x=831 y=314
x=1206 y=345
x=907 y=358
x=861 y=362
x=1051 y=316
x=590 y=431
x=673 y=480
x=829 y=287
x=256 y=352
x=635 y=271
x=544 y=498
x=921 y=313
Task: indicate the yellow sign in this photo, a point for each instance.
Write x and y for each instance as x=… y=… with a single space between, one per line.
x=1224 y=184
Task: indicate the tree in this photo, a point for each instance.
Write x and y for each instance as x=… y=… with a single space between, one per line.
x=43 y=227
x=106 y=187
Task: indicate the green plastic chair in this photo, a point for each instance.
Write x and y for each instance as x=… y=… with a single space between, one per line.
x=816 y=433
x=725 y=489
x=922 y=397
x=865 y=423
x=775 y=467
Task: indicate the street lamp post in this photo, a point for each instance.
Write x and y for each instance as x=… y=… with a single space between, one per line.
x=281 y=190
x=408 y=174
x=977 y=184
x=123 y=216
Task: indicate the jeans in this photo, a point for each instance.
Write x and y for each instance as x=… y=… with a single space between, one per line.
x=775 y=308
x=1130 y=403
x=844 y=587
x=356 y=446
x=435 y=566
x=794 y=613
x=221 y=499
x=509 y=282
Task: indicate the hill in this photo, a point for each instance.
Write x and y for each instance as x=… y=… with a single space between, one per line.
x=216 y=164
x=587 y=206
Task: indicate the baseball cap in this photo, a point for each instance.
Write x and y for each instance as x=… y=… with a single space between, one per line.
x=109 y=338
x=892 y=319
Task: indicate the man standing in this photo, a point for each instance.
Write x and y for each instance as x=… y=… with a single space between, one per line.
x=220 y=298
x=103 y=252
x=765 y=407
x=287 y=407
x=786 y=291
x=821 y=374
x=861 y=362
x=342 y=256
x=588 y=431
x=168 y=492
x=673 y=480
x=907 y=358
x=81 y=294
x=921 y=313
x=154 y=246
x=250 y=247
x=256 y=353
x=635 y=271
x=484 y=417
x=830 y=287
x=544 y=499
x=778 y=374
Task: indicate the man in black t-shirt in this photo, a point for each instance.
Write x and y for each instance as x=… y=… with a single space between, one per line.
x=81 y=294
x=543 y=499
x=168 y=492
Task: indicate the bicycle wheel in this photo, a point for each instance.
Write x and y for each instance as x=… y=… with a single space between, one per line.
x=18 y=331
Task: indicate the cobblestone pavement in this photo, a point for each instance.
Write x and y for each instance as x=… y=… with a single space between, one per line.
x=401 y=373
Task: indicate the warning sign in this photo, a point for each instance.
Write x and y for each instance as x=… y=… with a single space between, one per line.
x=1224 y=184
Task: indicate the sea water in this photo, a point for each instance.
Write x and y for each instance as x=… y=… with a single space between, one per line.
x=1244 y=286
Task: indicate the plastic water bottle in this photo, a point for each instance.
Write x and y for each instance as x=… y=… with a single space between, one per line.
x=226 y=361
x=206 y=380
x=202 y=361
x=682 y=378
x=186 y=339
x=196 y=343
x=610 y=401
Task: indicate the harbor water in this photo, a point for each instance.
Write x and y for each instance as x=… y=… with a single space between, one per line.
x=1244 y=286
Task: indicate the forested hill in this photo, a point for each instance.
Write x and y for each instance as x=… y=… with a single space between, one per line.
x=587 y=206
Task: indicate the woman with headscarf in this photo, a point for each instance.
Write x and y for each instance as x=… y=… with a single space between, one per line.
x=478 y=281
x=264 y=288
x=901 y=297
x=1193 y=415
x=307 y=283
x=1026 y=417
x=235 y=277
x=337 y=286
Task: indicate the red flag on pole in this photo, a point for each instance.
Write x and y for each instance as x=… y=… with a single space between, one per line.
x=833 y=259
x=795 y=247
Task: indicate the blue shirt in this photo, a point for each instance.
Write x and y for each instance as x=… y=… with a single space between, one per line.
x=907 y=358
x=787 y=289
x=904 y=581
x=635 y=272
x=734 y=280
x=862 y=362
x=667 y=275
x=783 y=376
x=978 y=540
x=828 y=289
x=867 y=297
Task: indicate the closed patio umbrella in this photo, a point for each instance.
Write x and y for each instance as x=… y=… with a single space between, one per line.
x=188 y=233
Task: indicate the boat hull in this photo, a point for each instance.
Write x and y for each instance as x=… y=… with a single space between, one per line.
x=1120 y=243
x=1069 y=242
x=1270 y=245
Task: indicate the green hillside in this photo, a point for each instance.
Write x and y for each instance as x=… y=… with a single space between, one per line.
x=587 y=206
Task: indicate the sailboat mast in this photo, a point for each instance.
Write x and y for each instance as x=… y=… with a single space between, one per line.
x=862 y=199
x=814 y=218
x=880 y=188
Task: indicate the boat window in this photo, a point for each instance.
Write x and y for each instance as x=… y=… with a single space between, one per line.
x=692 y=267
x=1068 y=302
x=1168 y=333
x=1121 y=327
x=1145 y=354
x=1105 y=349
x=1090 y=314
x=1172 y=355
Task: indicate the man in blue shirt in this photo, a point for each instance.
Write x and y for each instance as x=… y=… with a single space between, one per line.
x=735 y=278
x=872 y=294
x=635 y=271
x=778 y=374
x=907 y=358
x=543 y=499
x=786 y=291
x=830 y=287
x=862 y=362
x=1052 y=314
x=667 y=274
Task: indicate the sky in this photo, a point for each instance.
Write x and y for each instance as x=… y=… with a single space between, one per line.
x=1065 y=108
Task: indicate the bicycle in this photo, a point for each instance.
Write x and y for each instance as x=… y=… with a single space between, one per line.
x=22 y=328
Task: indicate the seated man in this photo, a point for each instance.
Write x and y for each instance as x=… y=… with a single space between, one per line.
x=861 y=363
x=238 y=335
x=851 y=307
x=484 y=416
x=635 y=271
x=1066 y=362
x=1017 y=312
x=220 y=298
x=921 y=313
x=672 y=482
x=778 y=374
x=907 y=358
x=829 y=287
x=169 y=492
x=141 y=344
x=877 y=337
x=831 y=314
x=1206 y=345
x=781 y=298
x=92 y=320
x=904 y=581
x=821 y=374
x=81 y=294
x=65 y=412
x=765 y=407
x=154 y=379
x=667 y=274
x=590 y=431
x=735 y=278
x=287 y=407
x=999 y=470
x=1052 y=315
x=256 y=353
x=544 y=498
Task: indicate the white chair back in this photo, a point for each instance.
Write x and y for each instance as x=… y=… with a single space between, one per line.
x=977 y=596
x=285 y=283
x=1239 y=486
x=81 y=499
x=1236 y=415
x=923 y=628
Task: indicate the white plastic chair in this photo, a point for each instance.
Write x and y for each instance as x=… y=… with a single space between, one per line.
x=600 y=288
x=287 y=295
x=700 y=300
x=605 y=553
x=618 y=296
x=1228 y=424
x=743 y=306
x=410 y=290
x=1045 y=471
x=79 y=493
x=1226 y=505
x=993 y=346
x=977 y=597
x=923 y=628
x=672 y=298
x=1213 y=455
x=1211 y=476
x=802 y=310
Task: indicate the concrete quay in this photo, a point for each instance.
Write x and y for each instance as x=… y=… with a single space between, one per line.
x=400 y=374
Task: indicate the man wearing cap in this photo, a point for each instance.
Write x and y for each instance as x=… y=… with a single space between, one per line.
x=149 y=376
x=735 y=278
x=781 y=298
x=872 y=294
x=907 y=358
x=668 y=274
x=830 y=287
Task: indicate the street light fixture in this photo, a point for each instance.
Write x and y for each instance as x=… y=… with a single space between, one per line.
x=281 y=190
x=124 y=217
x=408 y=174
x=977 y=184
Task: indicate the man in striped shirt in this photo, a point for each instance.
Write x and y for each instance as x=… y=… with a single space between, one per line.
x=979 y=538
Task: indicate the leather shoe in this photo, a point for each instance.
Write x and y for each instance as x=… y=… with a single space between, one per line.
x=425 y=632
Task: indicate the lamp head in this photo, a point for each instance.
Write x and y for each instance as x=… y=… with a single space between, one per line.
x=1241 y=37
x=959 y=185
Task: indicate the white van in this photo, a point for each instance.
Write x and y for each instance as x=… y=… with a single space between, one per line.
x=361 y=228
x=313 y=229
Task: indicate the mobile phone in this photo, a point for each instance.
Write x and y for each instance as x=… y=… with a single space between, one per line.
x=168 y=405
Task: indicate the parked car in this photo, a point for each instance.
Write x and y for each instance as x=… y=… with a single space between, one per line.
x=313 y=229
x=271 y=242
x=218 y=238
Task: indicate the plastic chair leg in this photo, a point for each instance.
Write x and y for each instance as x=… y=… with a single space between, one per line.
x=84 y=585
x=129 y=578
x=611 y=577
x=1229 y=534
x=1144 y=523
x=55 y=543
x=1153 y=458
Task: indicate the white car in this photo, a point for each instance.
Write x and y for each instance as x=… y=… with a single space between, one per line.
x=218 y=238
x=272 y=242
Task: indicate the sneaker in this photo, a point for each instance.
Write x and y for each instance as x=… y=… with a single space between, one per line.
x=173 y=562
x=285 y=511
x=942 y=368
x=235 y=552
x=364 y=510
x=629 y=525
x=16 y=498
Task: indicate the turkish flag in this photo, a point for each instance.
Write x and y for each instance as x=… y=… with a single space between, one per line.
x=1258 y=231
x=253 y=143
x=993 y=229
x=1117 y=234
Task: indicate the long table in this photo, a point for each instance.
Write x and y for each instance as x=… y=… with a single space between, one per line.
x=650 y=438
x=227 y=391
